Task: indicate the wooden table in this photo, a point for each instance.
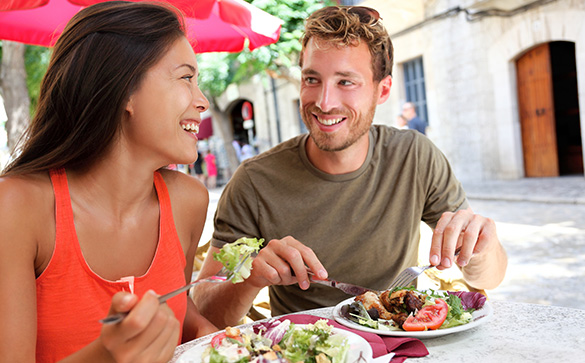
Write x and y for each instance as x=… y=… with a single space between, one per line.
x=517 y=332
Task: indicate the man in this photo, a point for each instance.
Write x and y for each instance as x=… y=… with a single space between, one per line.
x=346 y=200
x=414 y=123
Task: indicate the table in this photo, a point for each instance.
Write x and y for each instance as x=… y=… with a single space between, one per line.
x=518 y=332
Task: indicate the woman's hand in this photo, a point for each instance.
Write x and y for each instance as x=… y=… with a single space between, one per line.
x=149 y=333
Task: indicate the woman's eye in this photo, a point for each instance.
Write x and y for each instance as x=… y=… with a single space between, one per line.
x=188 y=77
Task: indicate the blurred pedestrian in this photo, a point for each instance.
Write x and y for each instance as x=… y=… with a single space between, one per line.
x=211 y=168
x=247 y=151
x=238 y=149
x=198 y=168
x=414 y=122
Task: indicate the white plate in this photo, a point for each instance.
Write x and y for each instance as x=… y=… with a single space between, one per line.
x=479 y=317
x=358 y=347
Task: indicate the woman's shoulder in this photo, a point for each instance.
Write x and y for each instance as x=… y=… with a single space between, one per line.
x=27 y=207
x=184 y=188
x=25 y=192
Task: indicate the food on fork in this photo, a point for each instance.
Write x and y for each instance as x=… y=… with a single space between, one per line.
x=231 y=254
x=413 y=310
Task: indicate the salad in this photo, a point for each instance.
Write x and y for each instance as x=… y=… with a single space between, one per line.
x=278 y=341
x=413 y=310
x=232 y=253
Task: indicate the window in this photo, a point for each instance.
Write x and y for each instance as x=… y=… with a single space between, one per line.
x=350 y=2
x=414 y=81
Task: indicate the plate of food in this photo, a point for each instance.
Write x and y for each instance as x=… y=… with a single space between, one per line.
x=281 y=341
x=414 y=313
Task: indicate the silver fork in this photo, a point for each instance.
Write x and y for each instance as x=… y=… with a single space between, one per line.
x=223 y=275
x=411 y=273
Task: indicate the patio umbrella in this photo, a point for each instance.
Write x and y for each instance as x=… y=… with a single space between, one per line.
x=212 y=25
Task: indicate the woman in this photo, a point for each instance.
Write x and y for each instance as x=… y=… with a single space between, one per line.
x=91 y=222
x=211 y=168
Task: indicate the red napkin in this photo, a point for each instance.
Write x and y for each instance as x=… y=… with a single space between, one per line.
x=401 y=347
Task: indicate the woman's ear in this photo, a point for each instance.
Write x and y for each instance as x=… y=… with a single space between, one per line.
x=384 y=89
x=130 y=106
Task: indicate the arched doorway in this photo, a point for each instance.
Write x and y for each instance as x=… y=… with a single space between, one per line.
x=549 y=110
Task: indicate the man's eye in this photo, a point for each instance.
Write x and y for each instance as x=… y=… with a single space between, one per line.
x=188 y=77
x=310 y=80
x=345 y=83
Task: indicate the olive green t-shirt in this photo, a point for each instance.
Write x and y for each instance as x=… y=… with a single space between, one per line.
x=363 y=226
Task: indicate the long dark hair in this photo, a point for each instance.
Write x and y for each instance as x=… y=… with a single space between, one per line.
x=98 y=61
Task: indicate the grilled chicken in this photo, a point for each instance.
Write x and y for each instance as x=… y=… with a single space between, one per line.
x=402 y=301
x=371 y=301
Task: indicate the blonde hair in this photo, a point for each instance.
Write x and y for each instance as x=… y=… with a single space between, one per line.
x=348 y=26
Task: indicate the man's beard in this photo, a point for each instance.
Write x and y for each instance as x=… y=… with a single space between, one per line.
x=324 y=141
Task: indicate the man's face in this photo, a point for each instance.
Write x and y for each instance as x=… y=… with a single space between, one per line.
x=338 y=94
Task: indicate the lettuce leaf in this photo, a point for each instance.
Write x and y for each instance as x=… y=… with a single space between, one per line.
x=232 y=253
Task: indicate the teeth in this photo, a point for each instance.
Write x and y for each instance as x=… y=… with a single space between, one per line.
x=329 y=122
x=191 y=127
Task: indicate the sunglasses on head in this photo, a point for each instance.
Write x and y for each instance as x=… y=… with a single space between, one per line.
x=366 y=14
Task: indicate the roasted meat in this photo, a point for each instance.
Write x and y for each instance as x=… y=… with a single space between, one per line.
x=370 y=300
x=394 y=306
x=402 y=301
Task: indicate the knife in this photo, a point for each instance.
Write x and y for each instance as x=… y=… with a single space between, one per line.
x=343 y=286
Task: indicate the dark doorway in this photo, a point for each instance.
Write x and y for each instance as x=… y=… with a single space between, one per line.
x=549 y=110
x=566 y=99
x=244 y=130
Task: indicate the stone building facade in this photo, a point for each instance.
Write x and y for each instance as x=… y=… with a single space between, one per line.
x=499 y=83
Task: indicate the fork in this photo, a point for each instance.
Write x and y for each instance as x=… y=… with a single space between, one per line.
x=223 y=275
x=411 y=273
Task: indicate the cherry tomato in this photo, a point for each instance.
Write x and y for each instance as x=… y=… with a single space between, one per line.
x=217 y=339
x=428 y=318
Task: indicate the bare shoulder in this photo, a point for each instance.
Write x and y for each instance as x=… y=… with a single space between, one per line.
x=27 y=209
x=25 y=194
x=186 y=192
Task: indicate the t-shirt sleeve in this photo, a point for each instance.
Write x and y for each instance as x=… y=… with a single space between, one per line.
x=237 y=211
x=444 y=193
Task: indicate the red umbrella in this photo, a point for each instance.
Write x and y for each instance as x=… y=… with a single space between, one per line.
x=212 y=25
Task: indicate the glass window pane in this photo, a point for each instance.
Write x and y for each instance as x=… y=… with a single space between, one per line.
x=414 y=83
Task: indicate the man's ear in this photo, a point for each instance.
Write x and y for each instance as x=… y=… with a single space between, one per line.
x=384 y=89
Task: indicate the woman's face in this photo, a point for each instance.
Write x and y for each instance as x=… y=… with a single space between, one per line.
x=165 y=111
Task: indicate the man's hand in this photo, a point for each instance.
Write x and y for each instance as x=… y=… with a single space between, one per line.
x=473 y=233
x=284 y=262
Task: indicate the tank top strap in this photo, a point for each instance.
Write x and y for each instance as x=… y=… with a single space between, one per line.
x=167 y=223
x=65 y=226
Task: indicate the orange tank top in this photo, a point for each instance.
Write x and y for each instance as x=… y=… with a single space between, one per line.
x=71 y=298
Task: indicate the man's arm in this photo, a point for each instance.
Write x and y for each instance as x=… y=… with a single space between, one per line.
x=280 y=262
x=223 y=304
x=482 y=258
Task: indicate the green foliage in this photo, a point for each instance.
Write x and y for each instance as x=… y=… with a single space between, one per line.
x=36 y=61
x=218 y=70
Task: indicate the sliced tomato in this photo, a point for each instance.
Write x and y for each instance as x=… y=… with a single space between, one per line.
x=428 y=318
x=217 y=339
